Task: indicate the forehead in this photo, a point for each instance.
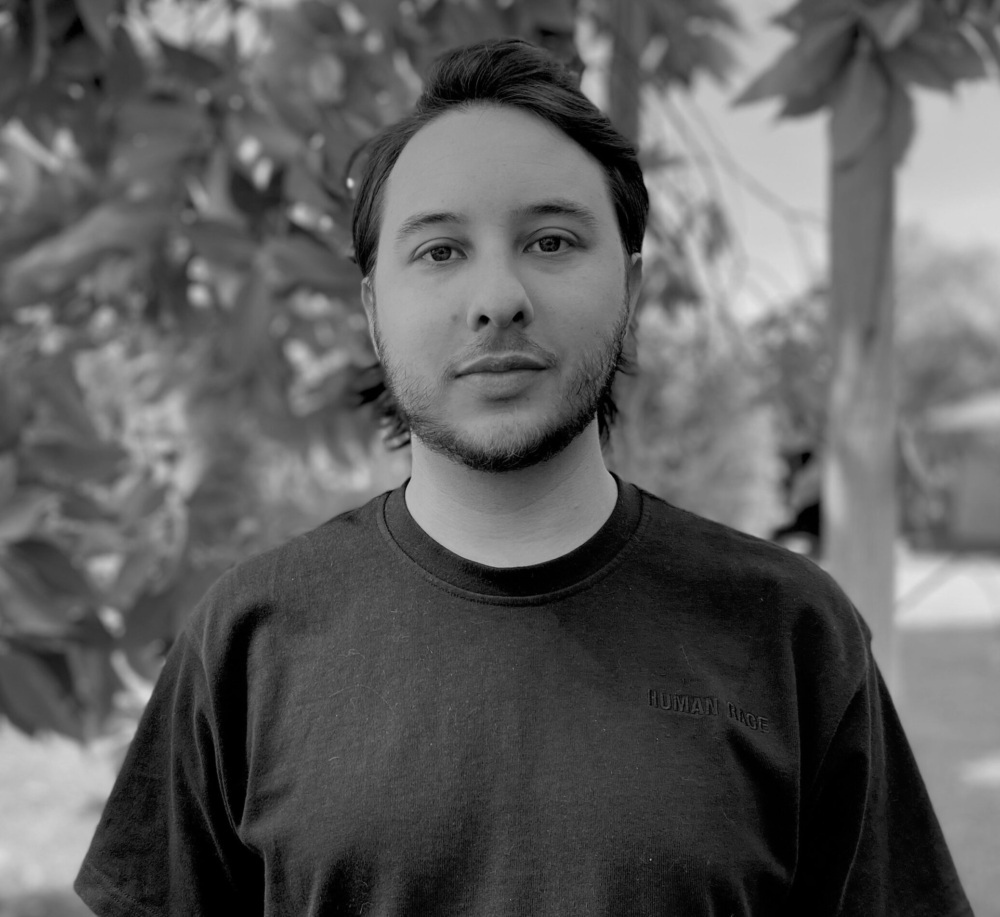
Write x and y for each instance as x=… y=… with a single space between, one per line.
x=486 y=161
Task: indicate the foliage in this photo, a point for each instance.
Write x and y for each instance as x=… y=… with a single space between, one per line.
x=180 y=338
x=696 y=430
x=796 y=363
x=859 y=59
x=947 y=347
x=948 y=333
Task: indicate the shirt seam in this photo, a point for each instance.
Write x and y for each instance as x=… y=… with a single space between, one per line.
x=108 y=886
x=508 y=601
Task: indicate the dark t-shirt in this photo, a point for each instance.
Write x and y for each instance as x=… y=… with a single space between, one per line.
x=674 y=719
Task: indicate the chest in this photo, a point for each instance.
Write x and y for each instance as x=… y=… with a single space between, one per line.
x=487 y=747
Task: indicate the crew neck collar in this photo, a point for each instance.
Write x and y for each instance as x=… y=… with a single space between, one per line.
x=555 y=575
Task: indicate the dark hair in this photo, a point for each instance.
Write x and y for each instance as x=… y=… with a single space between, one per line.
x=509 y=72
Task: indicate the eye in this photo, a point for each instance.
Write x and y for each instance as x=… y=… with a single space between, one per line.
x=440 y=254
x=551 y=245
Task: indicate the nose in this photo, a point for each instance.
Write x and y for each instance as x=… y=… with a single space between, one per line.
x=498 y=297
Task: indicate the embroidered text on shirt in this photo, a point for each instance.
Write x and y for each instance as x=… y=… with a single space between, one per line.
x=701 y=705
x=694 y=704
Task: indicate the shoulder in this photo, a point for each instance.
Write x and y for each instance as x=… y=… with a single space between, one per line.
x=273 y=583
x=764 y=586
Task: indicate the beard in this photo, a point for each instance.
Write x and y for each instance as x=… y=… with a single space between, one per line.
x=510 y=446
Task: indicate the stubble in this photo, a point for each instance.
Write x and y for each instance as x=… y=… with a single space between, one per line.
x=512 y=444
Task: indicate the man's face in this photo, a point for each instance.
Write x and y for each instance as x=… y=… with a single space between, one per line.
x=499 y=301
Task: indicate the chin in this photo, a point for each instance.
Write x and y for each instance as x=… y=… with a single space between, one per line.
x=498 y=451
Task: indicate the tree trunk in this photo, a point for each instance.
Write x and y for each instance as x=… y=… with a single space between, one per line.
x=628 y=21
x=859 y=487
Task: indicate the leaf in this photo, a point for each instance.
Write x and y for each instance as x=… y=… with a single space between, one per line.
x=142 y=500
x=909 y=65
x=251 y=320
x=46 y=217
x=100 y=536
x=74 y=462
x=903 y=122
x=296 y=261
x=95 y=681
x=96 y=15
x=685 y=41
x=81 y=508
x=23 y=179
x=12 y=405
x=860 y=111
x=140 y=569
x=302 y=185
x=276 y=140
x=80 y=60
x=717 y=12
x=83 y=628
x=14 y=65
x=158 y=615
x=715 y=56
x=8 y=478
x=221 y=243
x=717 y=234
x=34 y=694
x=189 y=65
x=114 y=280
x=321 y=17
x=892 y=22
x=801 y=105
x=210 y=195
x=988 y=36
x=152 y=162
x=956 y=57
x=383 y=14
x=548 y=17
x=26 y=608
x=804 y=13
x=155 y=138
x=652 y=158
x=53 y=264
x=162 y=120
x=22 y=514
x=125 y=73
x=813 y=61
x=326 y=80
x=61 y=411
x=41 y=44
x=53 y=567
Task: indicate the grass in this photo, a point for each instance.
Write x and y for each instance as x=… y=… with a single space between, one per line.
x=949 y=699
x=51 y=793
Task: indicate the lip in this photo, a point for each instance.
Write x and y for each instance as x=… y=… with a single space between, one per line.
x=502 y=363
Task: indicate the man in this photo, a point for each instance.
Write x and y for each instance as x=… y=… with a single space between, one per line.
x=517 y=685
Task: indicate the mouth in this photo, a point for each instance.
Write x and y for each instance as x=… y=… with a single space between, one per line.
x=502 y=363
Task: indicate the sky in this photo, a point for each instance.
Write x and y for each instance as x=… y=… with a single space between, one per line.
x=949 y=183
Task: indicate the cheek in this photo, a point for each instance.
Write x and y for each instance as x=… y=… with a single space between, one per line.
x=417 y=306
x=595 y=300
x=412 y=326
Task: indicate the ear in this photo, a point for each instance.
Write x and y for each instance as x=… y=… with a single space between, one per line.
x=634 y=279
x=368 y=301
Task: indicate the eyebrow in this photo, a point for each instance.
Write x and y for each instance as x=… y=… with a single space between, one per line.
x=559 y=206
x=550 y=207
x=420 y=221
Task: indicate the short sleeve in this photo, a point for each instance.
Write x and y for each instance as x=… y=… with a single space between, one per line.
x=870 y=844
x=167 y=841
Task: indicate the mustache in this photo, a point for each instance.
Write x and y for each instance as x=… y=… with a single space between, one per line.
x=501 y=344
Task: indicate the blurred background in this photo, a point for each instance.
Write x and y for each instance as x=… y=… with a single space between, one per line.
x=185 y=375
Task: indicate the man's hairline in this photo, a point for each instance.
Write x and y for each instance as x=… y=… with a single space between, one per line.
x=378 y=207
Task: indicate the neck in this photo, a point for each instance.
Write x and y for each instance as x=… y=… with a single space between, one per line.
x=516 y=518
